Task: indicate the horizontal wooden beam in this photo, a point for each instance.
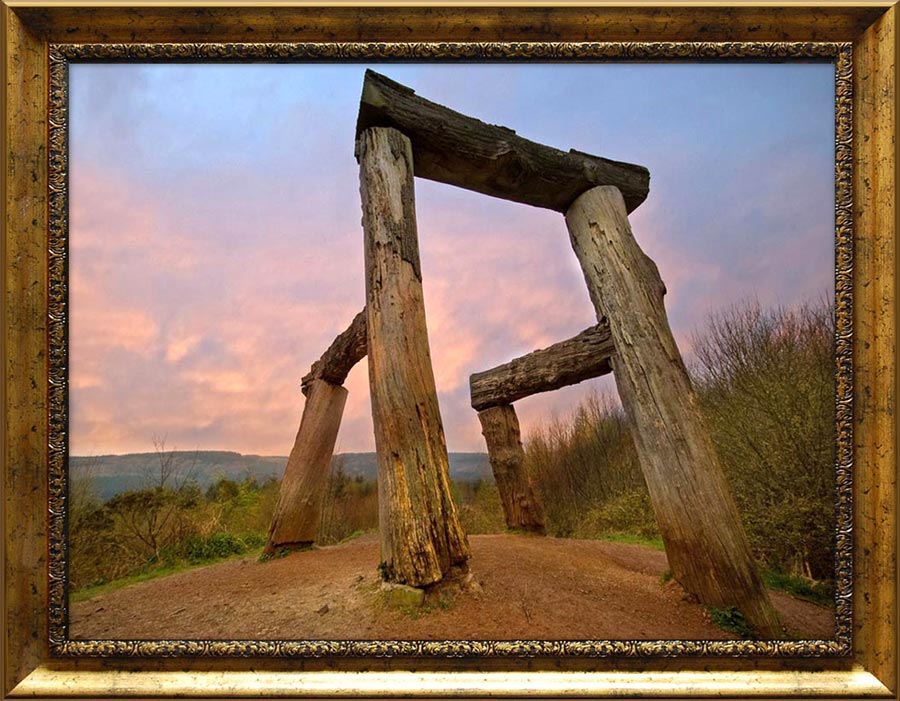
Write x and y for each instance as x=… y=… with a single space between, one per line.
x=345 y=351
x=451 y=148
x=283 y=23
x=565 y=363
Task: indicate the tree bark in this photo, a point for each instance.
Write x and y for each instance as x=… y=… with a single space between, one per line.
x=521 y=506
x=705 y=542
x=569 y=362
x=421 y=537
x=298 y=510
x=345 y=351
x=452 y=148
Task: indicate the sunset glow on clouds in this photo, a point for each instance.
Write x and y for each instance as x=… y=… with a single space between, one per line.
x=216 y=244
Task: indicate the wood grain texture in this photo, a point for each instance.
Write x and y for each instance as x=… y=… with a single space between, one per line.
x=298 y=511
x=521 y=505
x=476 y=24
x=875 y=350
x=25 y=351
x=698 y=519
x=568 y=362
x=452 y=148
x=422 y=540
x=341 y=356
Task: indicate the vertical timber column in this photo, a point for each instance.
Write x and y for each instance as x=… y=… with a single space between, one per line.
x=500 y=427
x=705 y=542
x=299 y=507
x=421 y=537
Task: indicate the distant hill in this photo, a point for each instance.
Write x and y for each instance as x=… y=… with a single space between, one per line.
x=113 y=474
x=464 y=467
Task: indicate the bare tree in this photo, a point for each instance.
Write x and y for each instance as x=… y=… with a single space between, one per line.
x=172 y=470
x=150 y=518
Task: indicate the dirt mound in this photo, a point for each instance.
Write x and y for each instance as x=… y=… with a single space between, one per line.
x=529 y=587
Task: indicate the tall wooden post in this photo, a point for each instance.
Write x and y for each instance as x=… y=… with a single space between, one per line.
x=421 y=537
x=522 y=509
x=298 y=510
x=705 y=542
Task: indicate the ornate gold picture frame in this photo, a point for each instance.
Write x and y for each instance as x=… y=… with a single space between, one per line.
x=40 y=40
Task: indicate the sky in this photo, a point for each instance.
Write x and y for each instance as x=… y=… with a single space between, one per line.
x=216 y=246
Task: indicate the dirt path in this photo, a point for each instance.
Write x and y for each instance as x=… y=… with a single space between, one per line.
x=531 y=587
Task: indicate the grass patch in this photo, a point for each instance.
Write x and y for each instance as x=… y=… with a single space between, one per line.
x=444 y=602
x=89 y=592
x=197 y=555
x=353 y=536
x=732 y=620
x=820 y=593
x=630 y=538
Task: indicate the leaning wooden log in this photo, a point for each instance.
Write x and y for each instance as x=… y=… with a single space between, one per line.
x=345 y=352
x=705 y=542
x=422 y=540
x=521 y=506
x=452 y=148
x=569 y=362
x=298 y=510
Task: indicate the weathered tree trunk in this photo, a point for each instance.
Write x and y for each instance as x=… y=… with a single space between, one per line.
x=344 y=352
x=421 y=537
x=705 y=542
x=568 y=362
x=298 y=510
x=521 y=506
x=459 y=150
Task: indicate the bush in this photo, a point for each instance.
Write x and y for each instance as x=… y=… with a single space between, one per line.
x=351 y=506
x=581 y=463
x=629 y=513
x=143 y=530
x=214 y=547
x=479 y=507
x=766 y=386
x=765 y=383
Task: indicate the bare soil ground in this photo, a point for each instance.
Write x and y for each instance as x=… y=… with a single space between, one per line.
x=530 y=588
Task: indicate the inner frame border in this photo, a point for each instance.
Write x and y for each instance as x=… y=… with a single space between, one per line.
x=840 y=54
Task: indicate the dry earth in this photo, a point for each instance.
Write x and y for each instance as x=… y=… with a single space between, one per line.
x=530 y=587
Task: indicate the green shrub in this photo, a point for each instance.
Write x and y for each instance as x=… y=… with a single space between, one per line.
x=628 y=513
x=351 y=506
x=161 y=528
x=479 y=507
x=213 y=547
x=765 y=383
x=579 y=463
x=732 y=620
x=821 y=593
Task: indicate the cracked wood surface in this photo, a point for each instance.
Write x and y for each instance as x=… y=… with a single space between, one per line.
x=298 y=511
x=338 y=360
x=422 y=540
x=568 y=362
x=705 y=541
x=451 y=148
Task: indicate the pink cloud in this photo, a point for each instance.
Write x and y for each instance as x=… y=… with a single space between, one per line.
x=196 y=321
